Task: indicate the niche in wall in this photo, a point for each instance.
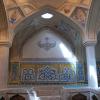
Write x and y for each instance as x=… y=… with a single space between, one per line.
x=47 y=56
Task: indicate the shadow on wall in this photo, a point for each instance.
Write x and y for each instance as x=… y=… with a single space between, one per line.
x=79 y=97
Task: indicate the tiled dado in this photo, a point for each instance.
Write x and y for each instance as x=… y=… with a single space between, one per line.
x=45 y=73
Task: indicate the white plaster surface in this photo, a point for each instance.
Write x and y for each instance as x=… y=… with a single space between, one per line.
x=32 y=50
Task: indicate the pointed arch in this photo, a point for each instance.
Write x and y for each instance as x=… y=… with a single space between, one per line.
x=30 y=25
x=34 y=21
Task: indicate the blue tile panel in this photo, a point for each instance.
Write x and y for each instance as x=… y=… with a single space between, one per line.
x=46 y=73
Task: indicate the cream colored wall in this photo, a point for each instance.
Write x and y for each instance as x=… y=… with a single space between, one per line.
x=32 y=50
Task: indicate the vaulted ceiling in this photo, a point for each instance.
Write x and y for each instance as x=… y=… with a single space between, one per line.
x=77 y=10
x=19 y=12
x=24 y=17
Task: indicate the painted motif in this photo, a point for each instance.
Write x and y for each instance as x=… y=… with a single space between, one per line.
x=47 y=73
x=47 y=43
x=80 y=73
x=98 y=71
x=14 y=73
x=68 y=73
x=66 y=8
x=28 y=9
x=27 y=74
x=14 y=16
x=80 y=15
x=65 y=27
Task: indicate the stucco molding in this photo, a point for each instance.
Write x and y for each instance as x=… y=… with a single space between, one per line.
x=89 y=43
x=5 y=43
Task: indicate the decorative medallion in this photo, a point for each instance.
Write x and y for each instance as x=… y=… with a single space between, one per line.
x=47 y=74
x=28 y=74
x=13 y=17
x=80 y=15
x=80 y=72
x=47 y=43
x=68 y=75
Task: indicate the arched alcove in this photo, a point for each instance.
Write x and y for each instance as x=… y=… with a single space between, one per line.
x=46 y=44
x=47 y=51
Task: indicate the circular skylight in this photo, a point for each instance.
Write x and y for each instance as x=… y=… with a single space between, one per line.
x=47 y=15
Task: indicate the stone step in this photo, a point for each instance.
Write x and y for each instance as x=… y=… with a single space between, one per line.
x=49 y=98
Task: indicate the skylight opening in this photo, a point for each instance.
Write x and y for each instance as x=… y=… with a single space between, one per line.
x=47 y=16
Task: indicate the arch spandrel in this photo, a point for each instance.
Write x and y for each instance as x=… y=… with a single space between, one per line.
x=59 y=23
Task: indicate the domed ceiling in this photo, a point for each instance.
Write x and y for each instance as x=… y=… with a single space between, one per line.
x=18 y=10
